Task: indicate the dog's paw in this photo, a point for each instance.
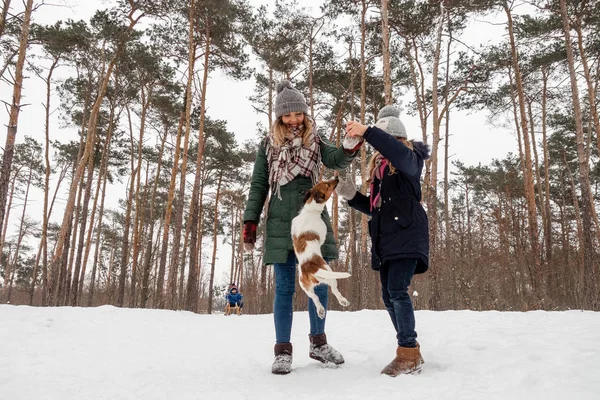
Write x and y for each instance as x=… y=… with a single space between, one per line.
x=344 y=303
x=321 y=312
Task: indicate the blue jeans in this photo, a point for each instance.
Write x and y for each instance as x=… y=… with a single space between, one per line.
x=283 y=307
x=395 y=276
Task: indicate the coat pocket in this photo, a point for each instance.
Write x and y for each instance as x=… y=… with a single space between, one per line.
x=398 y=215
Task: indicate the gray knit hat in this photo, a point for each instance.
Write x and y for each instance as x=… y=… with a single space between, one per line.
x=289 y=100
x=388 y=120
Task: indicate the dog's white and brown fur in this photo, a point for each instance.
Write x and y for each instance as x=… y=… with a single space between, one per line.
x=309 y=232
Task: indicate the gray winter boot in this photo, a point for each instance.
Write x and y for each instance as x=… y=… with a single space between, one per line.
x=283 y=359
x=321 y=351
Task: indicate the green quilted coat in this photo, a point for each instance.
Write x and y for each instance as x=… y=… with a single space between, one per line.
x=278 y=242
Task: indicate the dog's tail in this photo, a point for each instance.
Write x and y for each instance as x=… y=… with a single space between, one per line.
x=326 y=274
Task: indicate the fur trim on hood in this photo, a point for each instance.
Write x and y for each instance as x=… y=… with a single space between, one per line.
x=422 y=149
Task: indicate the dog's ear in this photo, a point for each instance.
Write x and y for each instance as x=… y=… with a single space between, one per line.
x=306 y=196
x=319 y=197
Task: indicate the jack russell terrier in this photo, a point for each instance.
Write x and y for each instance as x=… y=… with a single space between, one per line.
x=309 y=232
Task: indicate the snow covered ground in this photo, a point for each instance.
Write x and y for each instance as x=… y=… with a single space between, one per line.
x=111 y=353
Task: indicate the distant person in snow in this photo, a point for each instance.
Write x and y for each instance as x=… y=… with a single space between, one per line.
x=398 y=226
x=234 y=297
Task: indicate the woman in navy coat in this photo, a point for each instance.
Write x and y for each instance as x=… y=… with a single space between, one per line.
x=398 y=226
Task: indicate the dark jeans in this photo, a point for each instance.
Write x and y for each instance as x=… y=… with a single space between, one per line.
x=283 y=307
x=395 y=278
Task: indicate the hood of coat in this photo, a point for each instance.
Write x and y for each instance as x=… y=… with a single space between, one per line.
x=422 y=149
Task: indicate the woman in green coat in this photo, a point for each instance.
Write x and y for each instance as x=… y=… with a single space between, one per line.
x=288 y=164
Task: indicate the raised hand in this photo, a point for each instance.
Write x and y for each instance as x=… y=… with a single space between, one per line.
x=345 y=188
x=355 y=129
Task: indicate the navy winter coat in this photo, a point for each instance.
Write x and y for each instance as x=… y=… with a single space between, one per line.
x=234 y=298
x=399 y=228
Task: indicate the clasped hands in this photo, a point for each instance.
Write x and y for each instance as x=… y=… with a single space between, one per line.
x=353 y=140
x=355 y=129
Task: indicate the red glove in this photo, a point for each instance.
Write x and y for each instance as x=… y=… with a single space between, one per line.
x=249 y=235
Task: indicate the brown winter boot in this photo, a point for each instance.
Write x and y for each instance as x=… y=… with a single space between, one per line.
x=321 y=351
x=408 y=361
x=283 y=359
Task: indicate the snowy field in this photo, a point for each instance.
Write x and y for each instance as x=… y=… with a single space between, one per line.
x=111 y=353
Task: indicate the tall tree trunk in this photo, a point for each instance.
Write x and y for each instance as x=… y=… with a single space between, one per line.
x=418 y=80
x=139 y=211
x=91 y=136
x=142 y=232
x=127 y=224
x=3 y=15
x=528 y=174
x=81 y=209
x=335 y=212
x=159 y=297
x=200 y=235
x=591 y=299
x=595 y=120
x=548 y=226
x=86 y=199
x=240 y=252
x=434 y=299
x=181 y=290
x=53 y=271
x=580 y=249
x=69 y=254
x=215 y=241
x=15 y=108
x=311 y=40
x=191 y=63
x=102 y=176
x=447 y=141
x=46 y=278
x=270 y=101
x=100 y=192
x=44 y=239
x=387 y=68
x=8 y=208
x=10 y=272
x=109 y=276
x=171 y=299
x=191 y=302
x=144 y=295
x=148 y=255
x=536 y=169
x=364 y=230
x=589 y=79
x=234 y=216
x=59 y=287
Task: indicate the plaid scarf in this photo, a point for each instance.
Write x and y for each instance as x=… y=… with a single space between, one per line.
x=292 y=158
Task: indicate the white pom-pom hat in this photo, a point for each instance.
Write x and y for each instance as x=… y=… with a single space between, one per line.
x=388 y=120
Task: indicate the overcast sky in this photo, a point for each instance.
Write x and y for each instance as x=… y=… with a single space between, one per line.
x=472 y=140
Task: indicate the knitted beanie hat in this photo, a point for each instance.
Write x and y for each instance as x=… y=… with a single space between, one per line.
x=389 y=121
x=289 y=100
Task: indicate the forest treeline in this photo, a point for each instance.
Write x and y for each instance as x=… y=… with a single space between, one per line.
x=521 y=233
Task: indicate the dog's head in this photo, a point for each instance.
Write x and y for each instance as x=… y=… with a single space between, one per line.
x=321 y=192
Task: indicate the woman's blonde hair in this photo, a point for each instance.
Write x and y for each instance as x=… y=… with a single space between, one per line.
x=280 y=131
x=376 y=154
